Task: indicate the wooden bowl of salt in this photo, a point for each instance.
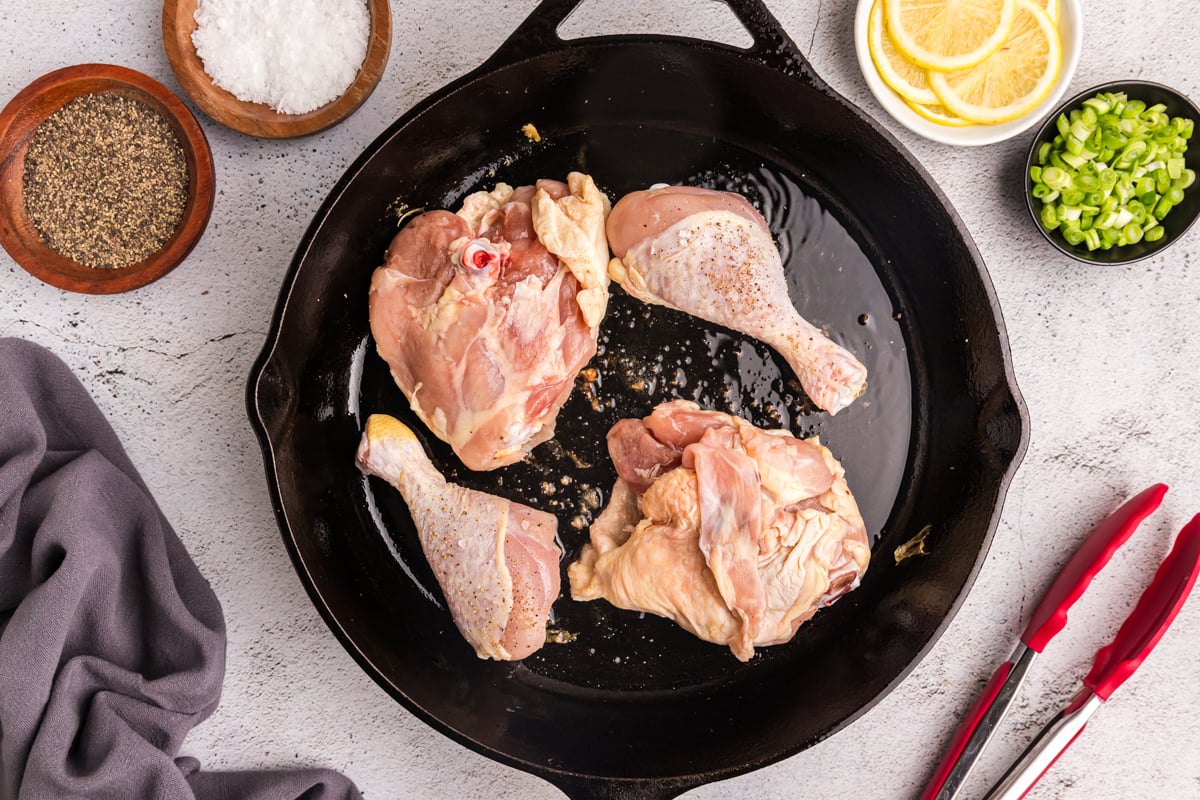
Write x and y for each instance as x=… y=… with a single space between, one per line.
x=261 y=116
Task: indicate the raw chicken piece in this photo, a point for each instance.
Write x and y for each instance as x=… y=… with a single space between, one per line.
x=710 y=254
x=486 y=316
x=496 y=561
x=736 y=533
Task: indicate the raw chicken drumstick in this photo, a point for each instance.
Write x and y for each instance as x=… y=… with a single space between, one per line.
x=710 y=254
x=485 y=316
x=496 y=560
x=736 y=533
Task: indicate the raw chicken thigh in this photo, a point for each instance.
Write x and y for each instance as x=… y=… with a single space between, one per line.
x=710 y=254
x=486 y=316
x=736 y=533
x=496 y=561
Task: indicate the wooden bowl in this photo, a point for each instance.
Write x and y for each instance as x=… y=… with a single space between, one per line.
x=22 y=116
x=257 y=119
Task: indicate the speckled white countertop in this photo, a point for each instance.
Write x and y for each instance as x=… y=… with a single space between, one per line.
x=1106 y=360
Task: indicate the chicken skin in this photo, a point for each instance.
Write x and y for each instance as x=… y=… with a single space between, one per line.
x=710 y=254
x=486 y=315
x=736 y=533
x=495 y=560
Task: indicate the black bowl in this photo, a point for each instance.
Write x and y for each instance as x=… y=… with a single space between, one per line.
x=1174 y=224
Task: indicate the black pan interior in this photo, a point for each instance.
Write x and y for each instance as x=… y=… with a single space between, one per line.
x=873 y=254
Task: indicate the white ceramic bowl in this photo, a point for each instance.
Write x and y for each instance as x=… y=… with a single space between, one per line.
x=1070 y=26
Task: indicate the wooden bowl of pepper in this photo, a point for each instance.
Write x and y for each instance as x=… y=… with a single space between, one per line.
x=262 y=119
x=106 y=182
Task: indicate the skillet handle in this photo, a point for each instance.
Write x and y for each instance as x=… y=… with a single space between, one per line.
x=772 y=46
x=580 y=788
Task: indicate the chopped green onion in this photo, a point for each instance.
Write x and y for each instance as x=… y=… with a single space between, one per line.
x=1133 y=149
x=1080 y=129
x=1115 y=169
x=1055 y=178
x=1114 y=139
x=1162 y=180
x=1073 y=160
x=1049 y=218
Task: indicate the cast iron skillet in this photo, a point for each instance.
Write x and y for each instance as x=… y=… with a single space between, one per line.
x=633 y=707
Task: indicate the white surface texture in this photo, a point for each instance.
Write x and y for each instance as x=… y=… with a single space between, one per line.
x=1106 y=359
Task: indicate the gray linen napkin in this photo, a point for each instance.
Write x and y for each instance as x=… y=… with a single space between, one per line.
x=112 y=644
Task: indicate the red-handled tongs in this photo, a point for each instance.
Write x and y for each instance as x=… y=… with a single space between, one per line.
x=1116 y=662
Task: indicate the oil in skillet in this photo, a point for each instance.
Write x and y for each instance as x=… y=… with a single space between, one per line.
x=647 y=355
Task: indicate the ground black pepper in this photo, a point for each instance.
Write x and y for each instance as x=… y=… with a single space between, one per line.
x=105 y=181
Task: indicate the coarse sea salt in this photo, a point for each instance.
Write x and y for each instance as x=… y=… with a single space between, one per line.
x=292 y=55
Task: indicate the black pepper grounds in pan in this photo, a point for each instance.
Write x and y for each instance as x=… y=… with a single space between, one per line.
x=105 y=181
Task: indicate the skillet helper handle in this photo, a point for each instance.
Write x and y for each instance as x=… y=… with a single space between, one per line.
x=1151 y=617
x=1051 y=613
x=538 y=34
x=581 y=788
x=772 y=45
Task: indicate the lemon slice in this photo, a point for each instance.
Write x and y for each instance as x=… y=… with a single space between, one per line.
x=1013 y=80
x=948 y=34
x=1051 y=7
x=906 y=78
x=938 y=113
